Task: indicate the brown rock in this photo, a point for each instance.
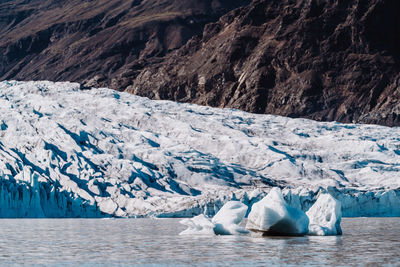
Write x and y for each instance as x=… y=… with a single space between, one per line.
x=319 y=59
x=96 y=42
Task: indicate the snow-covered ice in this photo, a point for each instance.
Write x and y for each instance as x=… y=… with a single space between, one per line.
x=325 y=216
x=67 y=152
x=272 y=215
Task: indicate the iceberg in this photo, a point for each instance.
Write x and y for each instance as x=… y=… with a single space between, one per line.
x=228 y=218
x=273 y=216
x=325 y=216
x=225 y=222
x=199 y=225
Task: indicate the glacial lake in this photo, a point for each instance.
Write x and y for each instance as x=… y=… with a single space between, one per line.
x=155 y=242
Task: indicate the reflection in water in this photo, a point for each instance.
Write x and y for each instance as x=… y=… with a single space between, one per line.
x=71 y=242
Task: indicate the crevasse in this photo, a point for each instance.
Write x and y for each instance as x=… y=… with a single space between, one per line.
x=65 y=152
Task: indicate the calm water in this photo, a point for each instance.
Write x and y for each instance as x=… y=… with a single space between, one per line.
x=147 y=242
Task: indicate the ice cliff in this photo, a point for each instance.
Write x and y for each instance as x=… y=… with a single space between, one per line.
x=67 y=152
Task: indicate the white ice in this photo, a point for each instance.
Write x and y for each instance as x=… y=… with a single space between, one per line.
x=199 y=225
x=272 y=215
x=229 y=217
x=225 y=222
x=65 y=152
x=325 y=216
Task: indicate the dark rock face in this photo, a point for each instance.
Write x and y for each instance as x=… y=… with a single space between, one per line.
x=97 y=42
x=319 y=59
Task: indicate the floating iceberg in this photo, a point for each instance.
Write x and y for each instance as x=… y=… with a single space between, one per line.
x=199 y=225
x=225 y=222
x=229 y=217
x=325 y=216
x=272 y=215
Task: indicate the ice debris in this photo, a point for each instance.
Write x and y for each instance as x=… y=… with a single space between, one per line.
x=199 y=225
x=225 y=222
x=273 y=216
x=325 y=216
x=229 y=217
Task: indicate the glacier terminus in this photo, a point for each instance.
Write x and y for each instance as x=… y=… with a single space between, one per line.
x=68 y=152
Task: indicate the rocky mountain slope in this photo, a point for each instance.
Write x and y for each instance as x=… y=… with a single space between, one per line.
x=99 y=42
x=325 y=60
x=319 y=59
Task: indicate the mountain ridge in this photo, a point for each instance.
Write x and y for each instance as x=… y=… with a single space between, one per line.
x=317 y=59
x=324 y=60
x=99 y=43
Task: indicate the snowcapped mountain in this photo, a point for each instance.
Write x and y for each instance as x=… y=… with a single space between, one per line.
x=90 y=153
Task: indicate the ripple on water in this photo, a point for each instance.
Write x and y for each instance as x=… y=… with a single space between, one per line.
x=95 y=242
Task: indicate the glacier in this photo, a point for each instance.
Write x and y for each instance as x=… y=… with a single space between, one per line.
x=69 y=152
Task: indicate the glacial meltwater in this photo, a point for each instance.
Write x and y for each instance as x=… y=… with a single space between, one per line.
x=156 y=242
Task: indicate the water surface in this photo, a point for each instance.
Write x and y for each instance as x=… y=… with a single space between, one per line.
x=149 y=242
